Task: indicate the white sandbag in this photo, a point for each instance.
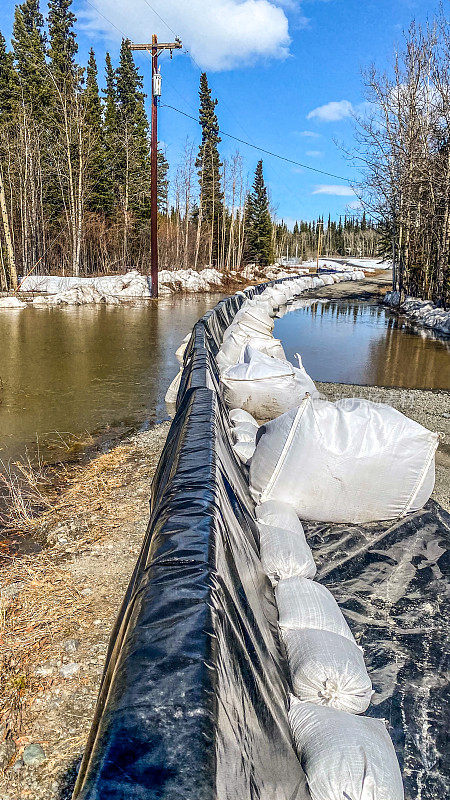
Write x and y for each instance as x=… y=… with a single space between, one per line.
x=264 y=386
x=303 y=603
x=345 y=757
x=349 y=461
x=172 y=391
x=238 y=415
x=232 y=348
x=244 y=432
x=327 y=669
x=254 y=317
x=279 y=515
x=275 y=295
x=285 y=552
x=256 y=302
x=182 y=349
x=280 y=296
x=244 y=451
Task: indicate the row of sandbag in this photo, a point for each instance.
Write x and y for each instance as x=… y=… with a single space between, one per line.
x=343 y=755
x=253 y=326
x=255 y=374
x=347 y=461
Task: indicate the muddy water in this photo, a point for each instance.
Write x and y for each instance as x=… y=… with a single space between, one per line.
x=104 y=370
x=87 y=369
x=363 y=343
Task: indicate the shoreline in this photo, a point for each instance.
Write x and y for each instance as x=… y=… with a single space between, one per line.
x=422 y=313
x=60 y=604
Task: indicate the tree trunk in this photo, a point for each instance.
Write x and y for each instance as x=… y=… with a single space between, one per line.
x=11 y=273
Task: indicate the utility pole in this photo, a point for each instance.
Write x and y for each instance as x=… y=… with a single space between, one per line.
x=155 y=49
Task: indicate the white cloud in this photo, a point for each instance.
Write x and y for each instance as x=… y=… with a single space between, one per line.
x=356 y=205
x=334 y=189
x=220 y=34
x=310 y=134
x=332 y=112
x=314 y=153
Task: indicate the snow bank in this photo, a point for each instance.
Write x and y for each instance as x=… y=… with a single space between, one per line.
x=369 y=263
x=349 y=264
x=421 y=311
x=53 y=290
x=113 y=289
x=11 y=302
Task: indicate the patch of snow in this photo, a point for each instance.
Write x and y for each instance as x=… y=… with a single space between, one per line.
x=423 y=312
x=11 y=302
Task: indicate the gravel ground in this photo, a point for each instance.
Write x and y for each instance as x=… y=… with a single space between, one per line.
x=40 y=756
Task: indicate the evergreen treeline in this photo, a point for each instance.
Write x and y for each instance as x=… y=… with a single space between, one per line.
x=348 y=236
x=75 y=171
x=74 y=162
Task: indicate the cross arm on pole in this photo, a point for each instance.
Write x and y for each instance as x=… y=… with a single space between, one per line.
x=160 y=46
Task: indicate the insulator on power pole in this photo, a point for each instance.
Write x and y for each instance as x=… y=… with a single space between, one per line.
x=157 y=84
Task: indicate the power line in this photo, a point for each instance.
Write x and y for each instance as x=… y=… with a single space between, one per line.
x=263 y=150
x=160 y=17
x=106 y=19
x=249 y=144
x=229 y=135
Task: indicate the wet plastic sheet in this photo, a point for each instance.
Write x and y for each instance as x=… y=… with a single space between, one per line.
x=193 y=701
x=391 y=581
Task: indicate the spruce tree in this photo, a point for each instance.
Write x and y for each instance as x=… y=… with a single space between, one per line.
x=163 y=182
x=258 y=222
x=110 y=108
x=8 y=85
x=100 y=195
x=63 y=46
x=29 y=48
x=134 y=155
x=208 y=165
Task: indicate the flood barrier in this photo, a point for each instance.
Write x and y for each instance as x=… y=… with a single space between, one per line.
x=194 y=696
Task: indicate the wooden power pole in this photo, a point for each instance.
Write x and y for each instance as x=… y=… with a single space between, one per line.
x=155 y=49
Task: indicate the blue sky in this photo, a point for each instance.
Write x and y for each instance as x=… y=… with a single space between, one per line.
x=286 y=73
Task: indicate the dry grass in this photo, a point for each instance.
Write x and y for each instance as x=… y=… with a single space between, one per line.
x=46 y=600
x=40 y=601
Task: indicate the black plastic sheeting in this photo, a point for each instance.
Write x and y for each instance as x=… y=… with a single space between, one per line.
x=391 y=581
x=194 y=697
x=193 y=701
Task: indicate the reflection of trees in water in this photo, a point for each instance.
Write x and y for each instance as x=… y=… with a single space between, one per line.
x=406 y=359
x=364 y=343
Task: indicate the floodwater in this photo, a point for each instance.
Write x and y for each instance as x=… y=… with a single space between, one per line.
x=104 y=370
x=363 y=343
x=85 y=370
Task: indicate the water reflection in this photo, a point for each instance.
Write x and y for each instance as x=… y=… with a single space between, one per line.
x=363 y=343
x=81 y=368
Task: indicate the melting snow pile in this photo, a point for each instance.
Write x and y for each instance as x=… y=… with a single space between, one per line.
x=421 y=311
x=54 y=290
x=11 y=302
x=113 y=289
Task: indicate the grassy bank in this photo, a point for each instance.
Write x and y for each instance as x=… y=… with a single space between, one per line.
x=58 y=607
